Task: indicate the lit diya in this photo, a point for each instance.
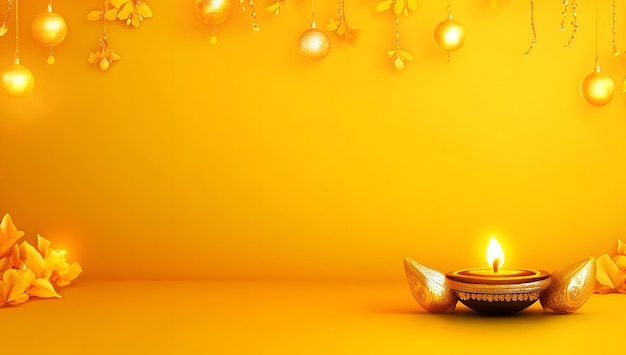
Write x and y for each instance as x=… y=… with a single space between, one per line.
x=501 y=291
x=497 y=290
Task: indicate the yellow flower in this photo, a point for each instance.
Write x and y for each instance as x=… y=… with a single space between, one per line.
x=8 y=235
x=12 y=260
x=12 y=288
x=133 y=12
x=62 y=272
x=611 y=274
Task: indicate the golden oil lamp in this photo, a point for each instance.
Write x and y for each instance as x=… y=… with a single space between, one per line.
x=496 y=290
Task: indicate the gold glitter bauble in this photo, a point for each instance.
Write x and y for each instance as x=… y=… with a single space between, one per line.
x=597 y=88
x=449 y=36
x=212 y=12
x=17 y=81
x=49 y=29
x=313 y=44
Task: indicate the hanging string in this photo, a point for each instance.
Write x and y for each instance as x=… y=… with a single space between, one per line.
x=104 y=34
x=574 y=24
x=597 y=59
x=17 y=37
x=564 y=13
x=616 y=51
x=532 y=26
x=313 y=25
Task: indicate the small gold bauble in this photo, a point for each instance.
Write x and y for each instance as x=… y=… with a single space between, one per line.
x=17 y=81
x=49 y=29
x=597 y=88
x=449 y=36
x=313 y=44
x=212 y=12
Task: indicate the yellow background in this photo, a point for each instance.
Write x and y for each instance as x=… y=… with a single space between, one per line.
x=244 y=161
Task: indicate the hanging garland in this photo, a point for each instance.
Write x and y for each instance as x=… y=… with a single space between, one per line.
x=340 y=26
x=49 y=29
x=532 y=27
x=132 y=12
x=398 y=56
x=103 y=56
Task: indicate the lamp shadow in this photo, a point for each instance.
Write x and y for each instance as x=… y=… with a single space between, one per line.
x=532 y=314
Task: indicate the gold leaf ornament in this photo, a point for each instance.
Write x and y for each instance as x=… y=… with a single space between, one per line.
x=275 y=7
x=340 y=26
x=104 y=56
x=398 y=6
x=132 y=12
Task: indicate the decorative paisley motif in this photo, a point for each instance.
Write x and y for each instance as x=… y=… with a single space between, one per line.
x=429 y=288
x=571 y=287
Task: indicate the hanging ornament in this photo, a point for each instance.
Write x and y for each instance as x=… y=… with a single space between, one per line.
x=597 y=88
x=313 y=44
x=17 y=80
x=449 y=35
x=213 y=12
x=49 y=29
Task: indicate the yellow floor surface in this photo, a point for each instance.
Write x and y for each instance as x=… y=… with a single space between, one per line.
x=188 y=317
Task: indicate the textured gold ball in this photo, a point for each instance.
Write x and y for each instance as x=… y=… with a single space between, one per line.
x=212 y=12
x=449 y=36
x=597 y=89
x=17 y=81
x=49 y=29
x=313 y=44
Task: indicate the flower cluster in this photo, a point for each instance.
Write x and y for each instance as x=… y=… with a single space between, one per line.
x=132 y=12
x=611 y=274
x=26 y=271
x=103 y=56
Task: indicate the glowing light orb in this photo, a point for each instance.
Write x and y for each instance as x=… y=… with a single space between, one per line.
x=449 y=36
x=17 y=81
